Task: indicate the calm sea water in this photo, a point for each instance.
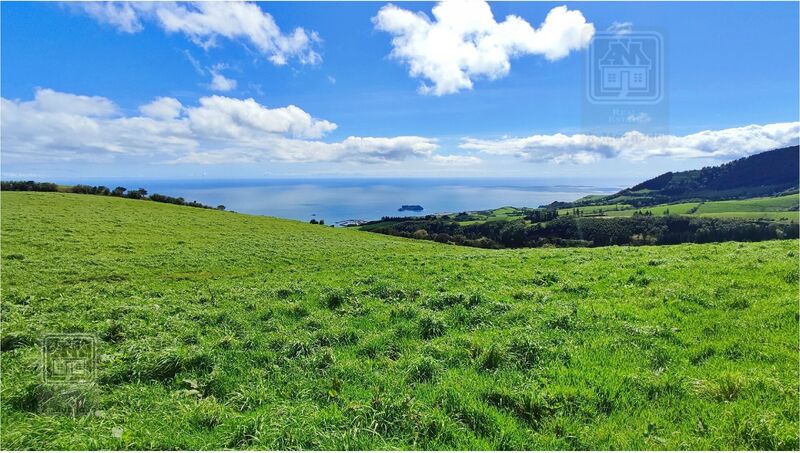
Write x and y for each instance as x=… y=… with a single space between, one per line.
x=336 y=200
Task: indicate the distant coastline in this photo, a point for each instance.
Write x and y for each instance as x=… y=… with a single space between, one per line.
x=342 y=200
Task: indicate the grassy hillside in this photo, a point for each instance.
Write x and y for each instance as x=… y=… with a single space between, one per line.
x=774 y=208
x=753 y=219
x=764 y=174
x=220 y=330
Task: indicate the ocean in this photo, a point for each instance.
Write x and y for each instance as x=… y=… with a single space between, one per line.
x=339 y=200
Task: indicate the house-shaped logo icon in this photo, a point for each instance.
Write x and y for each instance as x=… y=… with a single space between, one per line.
x=68 y=358
x=625 y=67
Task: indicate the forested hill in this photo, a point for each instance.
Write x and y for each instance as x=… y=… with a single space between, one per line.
x=768 y=173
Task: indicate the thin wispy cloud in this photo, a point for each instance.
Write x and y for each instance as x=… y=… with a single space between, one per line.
x=620 y=28
x=728 y=143
x=218 y=81
x=456 y=160
x=207 y=23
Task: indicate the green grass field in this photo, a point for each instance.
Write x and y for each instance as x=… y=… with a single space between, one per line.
x=596 y=210
x=219 y=330
x=663 y=209
x=772 y=208
x=766 y=204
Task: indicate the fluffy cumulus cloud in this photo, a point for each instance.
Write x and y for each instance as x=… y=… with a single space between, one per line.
x=161 y=108
x=63 y=103
x=217 y=129
x=230 y=118
x=463 y=41
x=204 y=23
x=581 y=148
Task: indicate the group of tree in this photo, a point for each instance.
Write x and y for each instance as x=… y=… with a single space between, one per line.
x=592 y=232
x=28 y=186
x=135 y=194
x=541 y=215
x=317 y=222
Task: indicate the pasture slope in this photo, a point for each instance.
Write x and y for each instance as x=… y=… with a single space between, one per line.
x=220 y=330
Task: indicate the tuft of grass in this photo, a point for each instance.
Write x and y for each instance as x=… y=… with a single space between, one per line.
x=725 y=388
x=14 y=340
x=247 y=431
x=492 y=357
x=531 y=407
x=207 y=414
x=739 y=303
x=335 y=298
x=423 y=369
x=446 y=300
x=431 y=326
x=160 y=366
x=527 y=351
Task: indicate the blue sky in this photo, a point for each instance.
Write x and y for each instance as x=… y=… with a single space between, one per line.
x=727 y=66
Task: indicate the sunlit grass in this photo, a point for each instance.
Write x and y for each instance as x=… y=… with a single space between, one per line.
x=219 y=330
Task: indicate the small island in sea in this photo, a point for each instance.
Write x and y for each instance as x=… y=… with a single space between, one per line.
x=410 y=207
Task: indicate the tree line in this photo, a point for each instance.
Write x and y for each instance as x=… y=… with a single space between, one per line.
x=592 y=232
x=119 y=191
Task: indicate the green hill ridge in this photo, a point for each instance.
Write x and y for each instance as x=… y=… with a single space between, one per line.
x=764 y=174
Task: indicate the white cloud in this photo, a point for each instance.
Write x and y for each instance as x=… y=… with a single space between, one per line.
x=369 y=150
x=620 y=28
x=581 y=148
x=124 y=16
x=219 y=82
x=455 y=160
x=218 y=129
x=162 y=108
x=205 y=22
x=198 y=68
x=464 y=42
x=378 y=149
x=47 y=100
x=229 y=118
